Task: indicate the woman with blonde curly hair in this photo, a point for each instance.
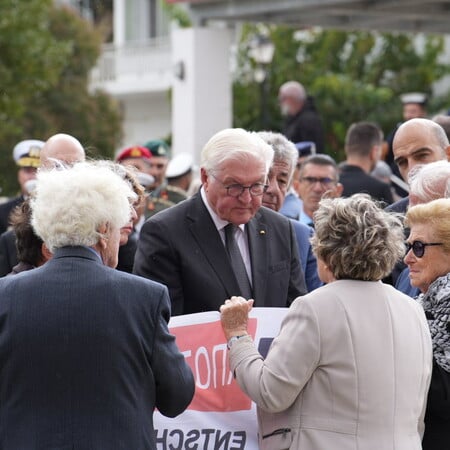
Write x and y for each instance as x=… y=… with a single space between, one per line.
x=351 y=365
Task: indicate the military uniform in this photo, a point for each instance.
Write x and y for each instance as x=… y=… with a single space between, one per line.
x=163 y=197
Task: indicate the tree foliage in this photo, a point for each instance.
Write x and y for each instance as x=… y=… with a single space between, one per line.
x=49 y=86
x=352 y=75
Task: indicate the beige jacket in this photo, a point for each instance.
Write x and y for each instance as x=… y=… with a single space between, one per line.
x=350 y=369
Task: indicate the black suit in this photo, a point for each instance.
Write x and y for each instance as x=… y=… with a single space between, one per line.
x=5 y=211
x=8 y=252
x=355 y=180
x=181 y=247
x=85 y=357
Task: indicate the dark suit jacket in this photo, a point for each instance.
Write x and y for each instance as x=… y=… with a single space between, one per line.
x=181 y=248
x=8 y=252
x=303 y=233
x=355 y=180
x=85 y=357
x=5 y=211
x=400 y=206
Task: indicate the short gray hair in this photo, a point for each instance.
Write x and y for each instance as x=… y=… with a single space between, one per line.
x=430 y=181
x=356 y=238
x=234 y=144
x=293 y=89
x=284 y=150
x=70 y=205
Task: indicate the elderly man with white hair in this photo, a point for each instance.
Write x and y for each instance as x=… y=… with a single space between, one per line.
x=220 y=241
x=86 y=352
x=302 y=121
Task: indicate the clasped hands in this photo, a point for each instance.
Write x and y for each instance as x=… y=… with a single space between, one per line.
x=234 y=316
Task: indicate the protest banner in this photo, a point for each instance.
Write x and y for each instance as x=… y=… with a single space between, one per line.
x=221 y=416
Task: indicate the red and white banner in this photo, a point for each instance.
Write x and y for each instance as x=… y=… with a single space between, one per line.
x=221 y=416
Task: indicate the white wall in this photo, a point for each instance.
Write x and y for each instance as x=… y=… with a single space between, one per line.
x=146 y=117
x=202 y=101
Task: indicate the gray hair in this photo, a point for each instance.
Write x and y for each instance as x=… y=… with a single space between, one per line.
x=234 y=144
x=284 y=150
x=320 y=159
x=71 y=204
x=293 y=89
x=356 y=238
x=429 y=181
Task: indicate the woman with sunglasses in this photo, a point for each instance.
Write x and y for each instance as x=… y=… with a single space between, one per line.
x=428 y=260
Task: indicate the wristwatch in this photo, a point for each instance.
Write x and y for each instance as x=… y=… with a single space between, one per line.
x=233 y=339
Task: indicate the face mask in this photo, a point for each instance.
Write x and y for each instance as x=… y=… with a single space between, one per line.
x=285 y=110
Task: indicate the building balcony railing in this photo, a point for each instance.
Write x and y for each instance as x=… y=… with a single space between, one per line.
x=134 y=68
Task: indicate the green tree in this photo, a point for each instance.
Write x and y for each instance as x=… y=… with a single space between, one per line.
x=94 y=118
x=31 y=61
x=352 y=75
x=46 y=72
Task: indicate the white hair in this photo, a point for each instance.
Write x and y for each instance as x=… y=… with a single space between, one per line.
x=284 y=150
x=234 y=144
x=293 y=89
x=430 y=181
x=71 y=204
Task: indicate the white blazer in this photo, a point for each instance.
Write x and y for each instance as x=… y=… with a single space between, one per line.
x=350 y=369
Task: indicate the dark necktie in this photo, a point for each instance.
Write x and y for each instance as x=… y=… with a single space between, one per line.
x=237 y=263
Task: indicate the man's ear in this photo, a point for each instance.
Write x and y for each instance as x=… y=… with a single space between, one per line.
x=339 y=189
x=204 y=177
x=447 y=151
x=46 y=253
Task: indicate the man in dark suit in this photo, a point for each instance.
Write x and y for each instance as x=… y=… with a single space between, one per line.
x=363 y=149
x=85 y=350
x=189 y=247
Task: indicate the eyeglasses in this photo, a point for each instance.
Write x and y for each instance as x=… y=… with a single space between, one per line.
x=326 y=181
x=235 y=190
x=418 y=247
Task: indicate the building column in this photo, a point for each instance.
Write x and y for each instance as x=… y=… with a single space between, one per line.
x=201 y=96
x=119 y=22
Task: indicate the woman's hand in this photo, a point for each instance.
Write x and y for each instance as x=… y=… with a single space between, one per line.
x=234 y=316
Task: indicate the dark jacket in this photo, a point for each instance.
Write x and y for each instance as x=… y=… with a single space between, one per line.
x=306 y=125
x=8 y=252
x=5 y=211
x=85 y=357
x=355 y=180
x=181 y=248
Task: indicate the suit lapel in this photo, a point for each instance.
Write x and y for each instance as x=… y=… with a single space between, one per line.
x=258 y=245
x=210 y=243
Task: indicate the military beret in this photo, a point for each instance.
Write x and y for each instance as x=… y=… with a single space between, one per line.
x=179 y=165
x=158 y=147
x=27 y=153
x=306 y=148
x=414 y=97
x=134 y=152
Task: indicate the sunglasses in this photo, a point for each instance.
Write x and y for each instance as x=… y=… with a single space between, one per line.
x=418 y=247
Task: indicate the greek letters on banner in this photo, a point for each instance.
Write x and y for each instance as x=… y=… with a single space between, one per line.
x=221 y=416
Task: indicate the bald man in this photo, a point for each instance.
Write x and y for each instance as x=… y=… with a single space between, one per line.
x=302 y=122
x=63 y=148
x=417 y=141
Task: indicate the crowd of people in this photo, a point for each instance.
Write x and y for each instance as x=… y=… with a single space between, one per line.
x=96 y=256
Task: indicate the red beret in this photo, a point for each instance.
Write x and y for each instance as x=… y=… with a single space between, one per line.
x=134 y=152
